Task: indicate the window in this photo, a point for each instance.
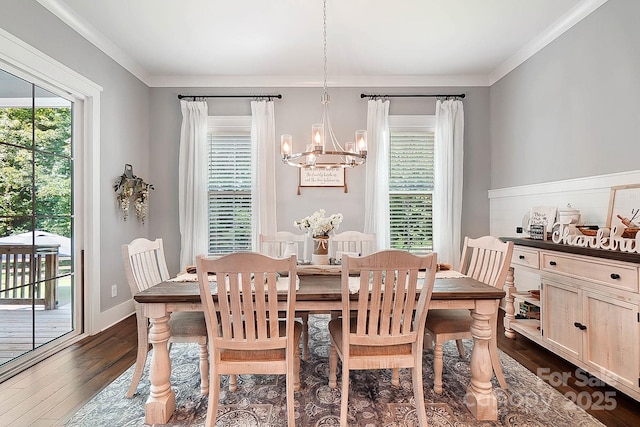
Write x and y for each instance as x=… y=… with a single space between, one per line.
x=229 y=140
x=411 y=174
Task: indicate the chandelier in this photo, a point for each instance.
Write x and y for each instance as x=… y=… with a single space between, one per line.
x=318 y=154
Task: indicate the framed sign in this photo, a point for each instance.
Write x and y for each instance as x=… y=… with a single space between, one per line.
x=624 y=206
x=319 y=177
x=543 y=215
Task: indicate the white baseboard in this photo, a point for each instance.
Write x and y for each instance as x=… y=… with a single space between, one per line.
x=112 y=316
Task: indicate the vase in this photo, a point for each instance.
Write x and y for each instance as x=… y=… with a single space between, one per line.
x=320 y=250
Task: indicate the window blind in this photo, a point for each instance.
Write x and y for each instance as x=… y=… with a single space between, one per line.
x=411 y=175
x=229 y=192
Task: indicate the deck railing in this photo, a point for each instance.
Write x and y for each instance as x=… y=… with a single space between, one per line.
x=29 y=274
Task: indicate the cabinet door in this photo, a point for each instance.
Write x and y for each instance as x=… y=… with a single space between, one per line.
x=561 y=312
x=611 y=341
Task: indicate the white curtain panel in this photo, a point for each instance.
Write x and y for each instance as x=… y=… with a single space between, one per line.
x=376 y=195
x=263 y=163
x=447 y=215
x=192 y=182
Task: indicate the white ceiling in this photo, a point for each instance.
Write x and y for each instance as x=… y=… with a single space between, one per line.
x=279 y=42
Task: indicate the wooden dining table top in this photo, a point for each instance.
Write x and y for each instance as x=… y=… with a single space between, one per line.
x=322 y=287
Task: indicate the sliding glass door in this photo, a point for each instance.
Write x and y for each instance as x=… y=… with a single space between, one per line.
x=37 y=277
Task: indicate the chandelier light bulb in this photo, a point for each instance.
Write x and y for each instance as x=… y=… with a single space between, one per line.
x=286 y=143
x=361 y=138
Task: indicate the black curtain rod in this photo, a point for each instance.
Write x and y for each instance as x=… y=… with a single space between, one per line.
x=279 y=96
x=364 y=95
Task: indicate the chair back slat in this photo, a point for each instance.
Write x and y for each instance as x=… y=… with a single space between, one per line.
x=386 y=303
x=144 y=264
x=352 y=241
x=246 y=313
x=486 y=259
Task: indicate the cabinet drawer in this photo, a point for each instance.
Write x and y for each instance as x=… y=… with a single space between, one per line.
x=618 y=275
x=525 y=257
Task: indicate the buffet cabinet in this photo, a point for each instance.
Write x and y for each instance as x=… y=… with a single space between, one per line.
x=588 y=304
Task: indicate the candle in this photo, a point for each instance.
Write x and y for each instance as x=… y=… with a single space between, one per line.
x=286 y=144
x=311 y=159
x=317 y=137
x=350 y=147
x=361 y=140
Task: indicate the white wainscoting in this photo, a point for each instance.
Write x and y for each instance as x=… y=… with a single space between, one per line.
x=590 y=195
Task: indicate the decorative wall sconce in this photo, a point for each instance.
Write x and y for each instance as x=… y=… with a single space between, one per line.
x=129 y=187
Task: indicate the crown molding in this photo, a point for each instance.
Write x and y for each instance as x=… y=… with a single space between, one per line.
x=86 y=30
x=307 y=81
x=555 y=30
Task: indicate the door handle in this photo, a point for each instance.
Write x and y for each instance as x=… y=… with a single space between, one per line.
x=579 y=326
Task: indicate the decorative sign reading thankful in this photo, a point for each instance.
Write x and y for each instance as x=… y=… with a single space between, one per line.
x=319 y=177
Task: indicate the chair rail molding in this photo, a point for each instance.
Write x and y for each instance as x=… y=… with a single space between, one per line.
x=590 y=195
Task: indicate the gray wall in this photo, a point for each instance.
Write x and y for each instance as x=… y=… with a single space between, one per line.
x=571 y=110
x=124 y=122
x=295 y=113
x=141 y=126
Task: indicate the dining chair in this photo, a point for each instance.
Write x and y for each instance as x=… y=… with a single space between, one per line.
x=245 y=333
x=353 y=242
x=277 y=245
x=486 y=259
x=384 y=327
x=145 y=266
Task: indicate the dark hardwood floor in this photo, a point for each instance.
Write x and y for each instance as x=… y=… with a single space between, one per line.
x=50 y=392
x=611 y=407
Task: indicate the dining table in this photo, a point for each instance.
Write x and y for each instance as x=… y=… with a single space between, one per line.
x=319 y=290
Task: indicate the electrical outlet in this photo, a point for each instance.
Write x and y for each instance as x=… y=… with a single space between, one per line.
x=114 y=291
x=518 y=230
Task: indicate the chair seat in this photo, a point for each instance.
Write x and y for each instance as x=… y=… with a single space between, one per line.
x=335 y=329
x=262 y=355
x=187 y=324
x=449 y=321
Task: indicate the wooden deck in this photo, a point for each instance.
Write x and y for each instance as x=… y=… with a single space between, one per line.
x=17 y=333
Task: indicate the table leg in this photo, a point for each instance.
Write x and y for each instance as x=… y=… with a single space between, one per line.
x=509 y=309
x=162 y=400
x=480 y=398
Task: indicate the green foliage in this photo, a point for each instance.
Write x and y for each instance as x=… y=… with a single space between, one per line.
x=35 y=144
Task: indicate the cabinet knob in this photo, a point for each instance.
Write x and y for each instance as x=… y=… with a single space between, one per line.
x=615 y=276
x=521 y=257
x=552 y=263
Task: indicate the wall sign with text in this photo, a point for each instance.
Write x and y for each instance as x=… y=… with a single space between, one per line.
x=322 y=178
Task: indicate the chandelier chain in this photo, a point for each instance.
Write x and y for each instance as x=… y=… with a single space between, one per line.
x=324 y=35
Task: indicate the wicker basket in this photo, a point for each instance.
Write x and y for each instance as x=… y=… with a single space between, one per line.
x=588 y=231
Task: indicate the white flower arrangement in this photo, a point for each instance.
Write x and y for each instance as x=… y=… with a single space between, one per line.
x=319 y=225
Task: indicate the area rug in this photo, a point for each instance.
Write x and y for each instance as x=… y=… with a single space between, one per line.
x=373 y=401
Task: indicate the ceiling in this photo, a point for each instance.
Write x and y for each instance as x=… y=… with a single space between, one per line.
x=272 y=43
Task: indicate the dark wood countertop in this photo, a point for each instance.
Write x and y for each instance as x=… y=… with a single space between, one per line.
x=559 y=247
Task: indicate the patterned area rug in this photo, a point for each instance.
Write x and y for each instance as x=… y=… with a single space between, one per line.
x=373 y=401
